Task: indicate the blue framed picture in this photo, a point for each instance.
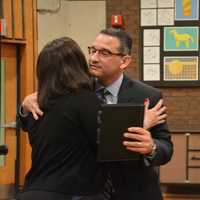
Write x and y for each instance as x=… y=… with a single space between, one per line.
x=186 y=10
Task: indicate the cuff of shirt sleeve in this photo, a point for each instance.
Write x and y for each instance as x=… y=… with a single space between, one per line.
x=23 y=113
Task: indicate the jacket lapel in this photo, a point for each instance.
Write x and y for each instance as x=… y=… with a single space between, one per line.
x=126 y=93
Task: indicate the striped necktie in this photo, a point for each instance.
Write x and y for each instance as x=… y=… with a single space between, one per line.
x=101 y=94
x=108 y=189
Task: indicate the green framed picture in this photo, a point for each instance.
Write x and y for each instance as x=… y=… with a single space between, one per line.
x=181 y=38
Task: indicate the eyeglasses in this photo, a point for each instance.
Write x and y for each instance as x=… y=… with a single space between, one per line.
x=103 y=52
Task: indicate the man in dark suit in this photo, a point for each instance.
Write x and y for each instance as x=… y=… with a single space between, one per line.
x=109 y=55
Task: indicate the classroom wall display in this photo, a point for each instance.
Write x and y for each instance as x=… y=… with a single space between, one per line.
x=165 y=17
x=187 y=10
x=170 y=42
x=181 y=68
x=151 y=37
x=151 y=55
x=181 y=38
x=151 y=72
x=149 y=17
x=148 y=4
x=154 y=13
x=165 y=3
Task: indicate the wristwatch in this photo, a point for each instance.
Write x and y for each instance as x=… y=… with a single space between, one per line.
x=153 y=151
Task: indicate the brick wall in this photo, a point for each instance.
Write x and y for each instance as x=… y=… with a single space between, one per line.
x=130 y=12
x=183 y=103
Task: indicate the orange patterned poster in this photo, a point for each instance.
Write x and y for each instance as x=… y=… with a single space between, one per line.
x=181 y=68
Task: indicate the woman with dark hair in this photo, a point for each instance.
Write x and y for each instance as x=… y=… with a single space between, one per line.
x=63 y=140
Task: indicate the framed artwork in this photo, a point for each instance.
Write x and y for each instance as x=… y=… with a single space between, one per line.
x=186 y=10
x=151 y=37
x=165 y=17
x=170 y=43
x=151 y=55
x=181 y=68
x=181 y=38
x=148 y=17
x=165 y=3
x=148 y=4
x=151 y=72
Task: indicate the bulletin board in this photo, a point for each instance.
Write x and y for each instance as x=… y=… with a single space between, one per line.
x=169 y=39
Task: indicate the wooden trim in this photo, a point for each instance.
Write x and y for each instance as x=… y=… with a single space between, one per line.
x=13 y=41
x=23 y=25
x=9 y=54
x=181 y=197
x=27 y=70
x=17 y=18
x=2 y=106
x=27 y=77
x=21 y=21
x=35 y=38
x=178 y=131
x=7 y=12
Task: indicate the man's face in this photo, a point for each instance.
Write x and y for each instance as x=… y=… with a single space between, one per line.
x=105 y=61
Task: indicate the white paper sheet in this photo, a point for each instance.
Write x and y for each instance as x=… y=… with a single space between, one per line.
x=151 y=72
x=151 y=37
x=151 y=55
x=148 y=17
x=148 y=3
x=165 y=17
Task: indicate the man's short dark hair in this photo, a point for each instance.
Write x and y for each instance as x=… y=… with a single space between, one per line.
x=122 y=36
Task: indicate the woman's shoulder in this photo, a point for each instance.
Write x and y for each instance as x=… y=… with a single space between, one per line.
x=83 y=97
x=86 y=93
x=82 y=93
x=80 y=103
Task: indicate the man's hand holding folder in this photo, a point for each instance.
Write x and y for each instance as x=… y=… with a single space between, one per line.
x=138 y=140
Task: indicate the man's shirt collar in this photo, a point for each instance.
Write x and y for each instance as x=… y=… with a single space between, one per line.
x=112 y=88
x=115 y=86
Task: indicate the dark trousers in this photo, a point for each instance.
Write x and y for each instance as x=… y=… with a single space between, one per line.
x=44 y=195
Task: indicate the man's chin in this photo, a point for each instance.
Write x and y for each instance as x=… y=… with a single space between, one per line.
x=94 y=72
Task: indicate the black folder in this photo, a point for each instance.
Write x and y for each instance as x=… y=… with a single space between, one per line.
x=114 y=119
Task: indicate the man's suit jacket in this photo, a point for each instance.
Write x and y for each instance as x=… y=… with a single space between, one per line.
x=136 y=180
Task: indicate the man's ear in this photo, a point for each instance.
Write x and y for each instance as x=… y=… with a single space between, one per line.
x=125 y=61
